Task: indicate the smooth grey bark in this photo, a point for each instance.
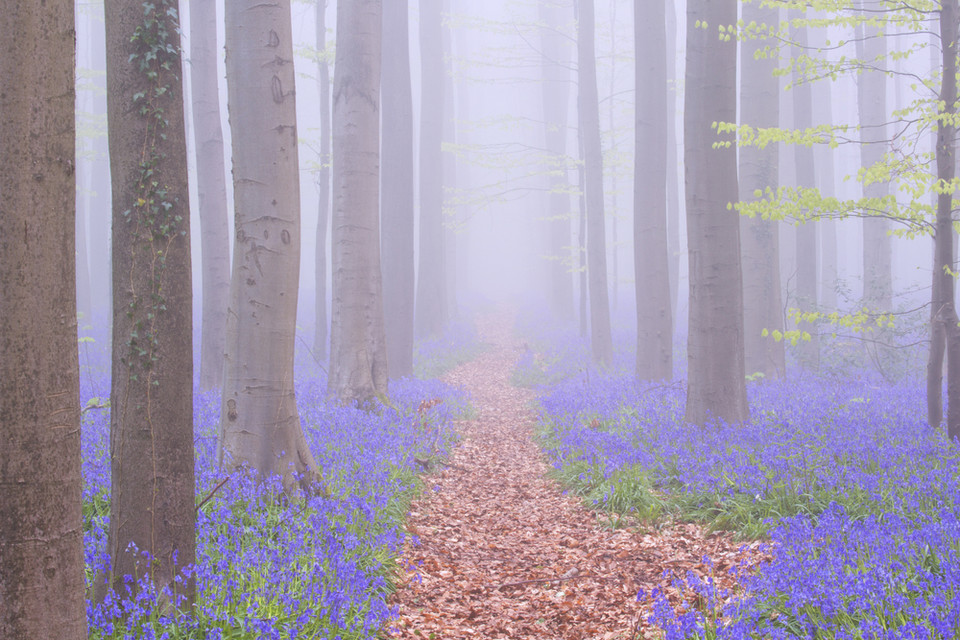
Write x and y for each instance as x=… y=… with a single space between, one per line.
x=582 y=236
x=674 y=185
x=358 y=354
x=211 y=189
x=397 y=176
x=758 y=171
x=826 y=183
x=945 y=332
x=872 y=105
x=555 y=91
x=259 y=422
x=716 y=389
x=41 y=529
x=323 y=188
x=450 y=108
x=94 y=173
x=152 y=497
x=651 y=266
x=806 y=239
x=431 y=303
x=601 y=341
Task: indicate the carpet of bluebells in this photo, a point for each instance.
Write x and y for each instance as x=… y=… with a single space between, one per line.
x=268 y=567
x=855 y=497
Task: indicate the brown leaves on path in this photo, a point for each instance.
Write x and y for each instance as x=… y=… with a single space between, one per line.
x=504 y=553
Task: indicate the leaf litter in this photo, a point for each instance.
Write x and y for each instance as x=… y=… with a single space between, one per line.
x=497 y=550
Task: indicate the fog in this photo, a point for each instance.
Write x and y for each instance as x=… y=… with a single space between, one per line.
x=496 y=207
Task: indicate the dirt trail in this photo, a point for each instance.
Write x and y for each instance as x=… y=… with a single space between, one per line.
x=504 y=554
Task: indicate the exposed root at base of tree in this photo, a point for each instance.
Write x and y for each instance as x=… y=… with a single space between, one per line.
x=503 y=553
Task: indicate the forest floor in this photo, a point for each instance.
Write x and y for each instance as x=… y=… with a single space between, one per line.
x=504 y=553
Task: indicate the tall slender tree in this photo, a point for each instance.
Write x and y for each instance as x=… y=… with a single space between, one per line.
x=872 y=105
x=758 y=171
x=431 y=311
x=259 y=424
x=806 y=238
x=601 y=340
x=945 y=330
x=716 y=388
x=358 y=354
x=323 y=187
x=651 y=266
x=151 y=417
x=211 y=189
x=41 y=535
x=396 y=205
x=556 y=90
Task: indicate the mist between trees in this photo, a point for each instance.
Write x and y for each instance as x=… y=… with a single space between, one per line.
x=773 y=182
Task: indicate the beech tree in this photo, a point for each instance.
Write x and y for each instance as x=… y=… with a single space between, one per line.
x=758 y=171
x=651 y=267
x=358 y=355
x=152 y=497
x=396 y=206
x=211 y=189
x=601 y=341
x=41 y=534
x=431 y=311
x=259 y=424
x=716 y=388
x=872 y=108
x=556 y=89
x=945 y=330
x=323 y=187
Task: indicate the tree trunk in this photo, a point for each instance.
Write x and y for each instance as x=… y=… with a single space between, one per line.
x=872 y=102
x=945 y=330
x=806 y=239
x=450 y=108
x=674 y=197
x=716 y=387
x=259 y=424
x=759 y=170
x=556 y=88
x=396 y=208
x=582 y=236
x=152 y=500
x=826 y=183
x=323 y=188
x=41 y=534
x=651 y=267
x=212 y=190
x=358 y=356
x=431 y=311
x=601 y=342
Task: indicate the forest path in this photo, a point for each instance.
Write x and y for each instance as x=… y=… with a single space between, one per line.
x=504 y=553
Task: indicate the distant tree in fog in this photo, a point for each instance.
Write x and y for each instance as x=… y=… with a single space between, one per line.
x=396 y=178
x=431 y=309
x=716 y=388
x=874 y=144
x=808 y=351
x=556 y=88
x=323 y=186
x=601 y=341
x=211 y=189
x=651 y=267
x=259 y=422
x=41 y=528
x=358 y=355
x=758 y=171
x=152 y=497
